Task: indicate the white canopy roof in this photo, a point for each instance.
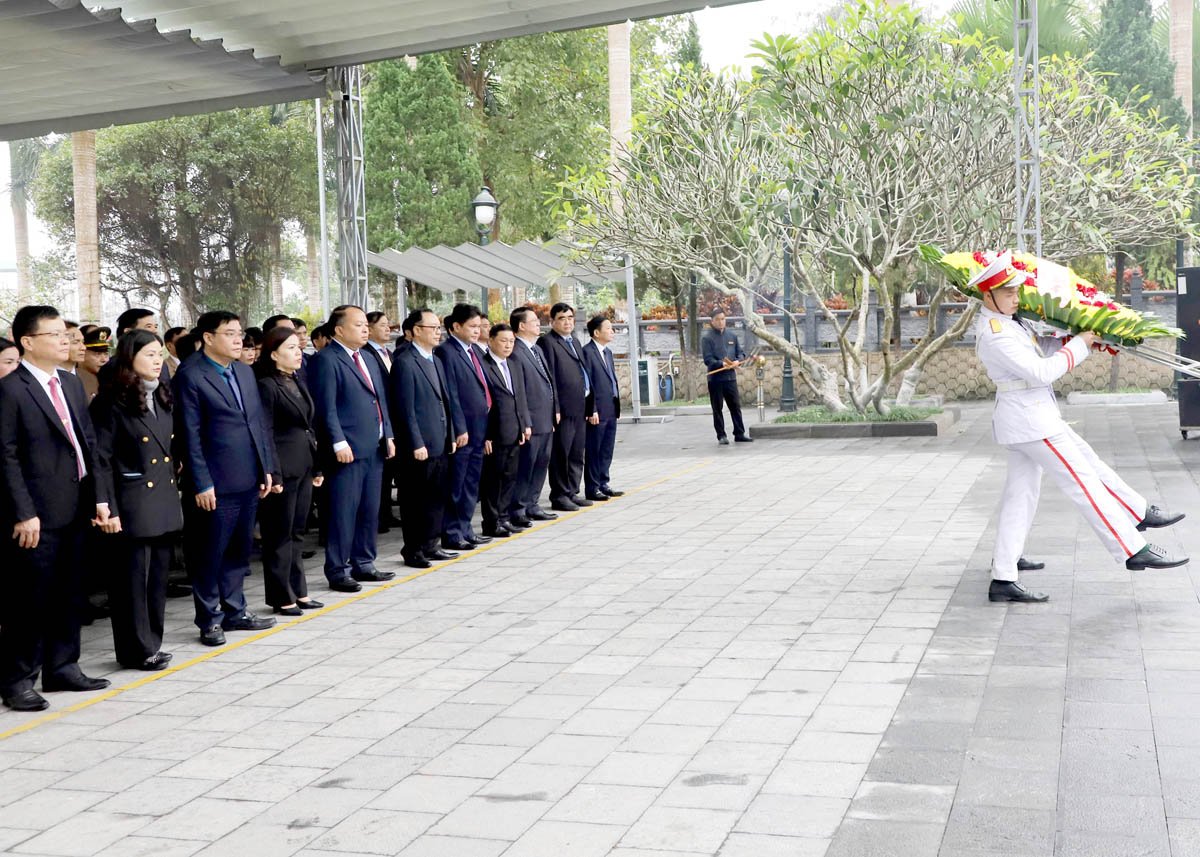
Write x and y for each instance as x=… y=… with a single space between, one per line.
x=65 y=66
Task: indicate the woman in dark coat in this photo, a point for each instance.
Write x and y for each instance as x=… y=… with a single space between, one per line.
x=282 y=515
x=132 y=415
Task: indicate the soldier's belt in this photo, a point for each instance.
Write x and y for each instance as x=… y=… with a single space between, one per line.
x=1011 y=386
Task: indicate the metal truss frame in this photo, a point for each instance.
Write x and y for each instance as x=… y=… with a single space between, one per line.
x=1027 y=127
x=351 y=184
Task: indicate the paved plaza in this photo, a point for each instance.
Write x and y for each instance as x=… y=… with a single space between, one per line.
x=767 y=650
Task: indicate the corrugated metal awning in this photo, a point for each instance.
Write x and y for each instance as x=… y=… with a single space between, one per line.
x=65 y=67
x=493 y=266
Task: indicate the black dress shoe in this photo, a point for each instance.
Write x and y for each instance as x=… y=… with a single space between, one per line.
x=310 y=604
x=345 y=584
x=563 y=506
x=417 y=562
x=724 y=441
x=372 y=575
x=179 y=590
x=307 y=554
x=439 y=555
x=294 y=610
x=497 y=532
x=212 y=636
x=452 y=545
x=248 y=622
x=27 y=700
x=541 y=515
x=383 y=529
x=1156 y=517
x=80 y=683
x=1152 y=556
x=744 y=439
x=478 y=540
x=1029 y=565
x=1010 y=590
x=598 y=497
x=580 y=501
x=520 y=523
x=612 y=493
x=157 y=661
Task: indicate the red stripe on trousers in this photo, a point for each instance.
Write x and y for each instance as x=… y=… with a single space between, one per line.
x=1079 y=482
x=1136 y=516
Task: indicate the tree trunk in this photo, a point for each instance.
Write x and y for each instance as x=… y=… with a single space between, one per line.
x=683 y=352
x=1119 y=272
x=275 y=240
x=87 y=241
x=20 y=215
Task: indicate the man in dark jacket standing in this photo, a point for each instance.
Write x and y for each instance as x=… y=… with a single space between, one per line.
x=228 y=454
x=563 y=356
x=47 y=459
x=722 y=352
x=423 y=417
x=602 y=424
x=508 y=429
x=542 y=403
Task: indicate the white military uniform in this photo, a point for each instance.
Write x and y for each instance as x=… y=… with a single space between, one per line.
x=1028 y=423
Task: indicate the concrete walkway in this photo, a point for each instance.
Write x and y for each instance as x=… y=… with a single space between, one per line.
x=774 y=649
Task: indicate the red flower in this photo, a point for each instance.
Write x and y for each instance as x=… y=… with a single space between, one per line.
x=1019 y=265
x=978 y=257
x=1113 y=306
x=1030 y=281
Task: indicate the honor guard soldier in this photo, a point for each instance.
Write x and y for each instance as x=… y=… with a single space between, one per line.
x=1027 y=422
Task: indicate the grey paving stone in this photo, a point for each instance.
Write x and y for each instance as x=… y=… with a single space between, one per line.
x=679 y=829
x=792 y=815
x=204 y=818
x=453 y=846
x=877 y=801
x=375 y=831
x=593 y=803
x=638 y=769
x=864 y=838
x=760 y=845
x=926 y=767
x=1000 y=828
x=820 y=779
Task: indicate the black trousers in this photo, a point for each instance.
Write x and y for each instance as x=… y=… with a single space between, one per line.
x=137 y=594
x=423 y=501
x=353 y=515
x=43 y=595
x=499 y=481
x=281 y=518
x=601 y=440
x=533 y=463
x=566 y=457
x=385 y=494
x=220 y=543
x=727 y=392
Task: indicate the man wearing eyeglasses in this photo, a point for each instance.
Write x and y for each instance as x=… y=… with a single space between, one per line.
x=228 y=466
x=49 y=494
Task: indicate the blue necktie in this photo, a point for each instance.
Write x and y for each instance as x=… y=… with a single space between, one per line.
x=227 y=372
x=587 y=381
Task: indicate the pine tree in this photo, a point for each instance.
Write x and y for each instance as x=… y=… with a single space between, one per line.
x=1138 y=64
x=422 y=169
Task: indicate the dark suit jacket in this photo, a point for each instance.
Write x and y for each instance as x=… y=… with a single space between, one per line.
x=422 y=409
x=385 y=368
x=222 y=446
x=38 y=462
x=715 y=347
x=608 y=394
x=291 y=422
x=346 y=406
x=466 y=390
x=567 y=369
x=540 y=396
x=509 y=416
x=135 y=467
x=402 y=345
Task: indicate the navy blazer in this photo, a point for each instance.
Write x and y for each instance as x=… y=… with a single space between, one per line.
x=540 y=395
x=346 y=407
x=37 y=460
x=422 y=408
x=222 y=446
x=509 y=416
x=607 y=394
x=567 y=368
x=466 y=390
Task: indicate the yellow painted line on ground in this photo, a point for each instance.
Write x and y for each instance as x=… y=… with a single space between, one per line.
x=310 y=615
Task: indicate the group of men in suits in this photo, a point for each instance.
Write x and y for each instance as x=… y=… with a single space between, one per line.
x=480 y=418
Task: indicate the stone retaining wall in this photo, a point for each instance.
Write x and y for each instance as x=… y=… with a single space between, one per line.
x=954 y=373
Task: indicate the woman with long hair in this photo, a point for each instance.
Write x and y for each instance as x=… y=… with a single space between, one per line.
x=10 y=356
x=282 y=515
x=132 y=415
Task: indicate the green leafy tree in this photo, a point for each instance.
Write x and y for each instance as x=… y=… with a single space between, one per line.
x=422 y=168
x=1141 y=72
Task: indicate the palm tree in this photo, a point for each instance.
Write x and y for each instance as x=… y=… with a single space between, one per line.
x=23 y=159
x=87 y=240
x=1064 y=26
x=1181 y=45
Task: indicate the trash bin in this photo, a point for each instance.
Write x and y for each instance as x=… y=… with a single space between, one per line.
x=648 y=379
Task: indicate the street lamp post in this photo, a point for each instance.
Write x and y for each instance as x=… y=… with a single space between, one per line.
x=483 y=210
x=787 y=396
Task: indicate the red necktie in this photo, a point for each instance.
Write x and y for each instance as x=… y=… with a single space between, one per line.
x=362 y=368
x=487 y=394
x=60 y=408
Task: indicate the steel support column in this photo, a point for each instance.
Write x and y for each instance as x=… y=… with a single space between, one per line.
x=351 y=185
x=1027 y=127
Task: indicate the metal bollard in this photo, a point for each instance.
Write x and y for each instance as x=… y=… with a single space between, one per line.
x=759 y=374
